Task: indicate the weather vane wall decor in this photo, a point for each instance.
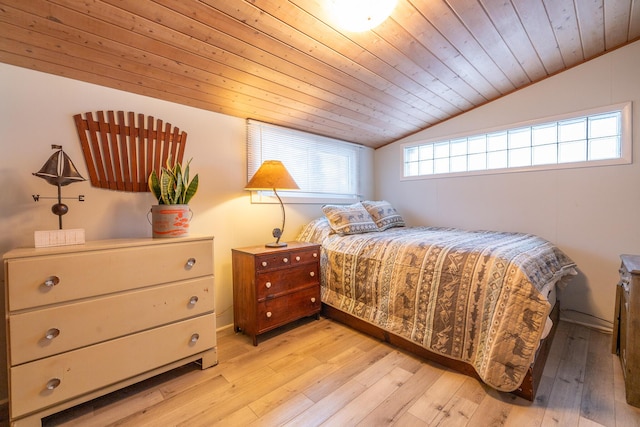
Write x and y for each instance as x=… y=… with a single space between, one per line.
x=59 y=170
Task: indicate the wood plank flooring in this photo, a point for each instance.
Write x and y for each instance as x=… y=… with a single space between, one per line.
x=319 y=372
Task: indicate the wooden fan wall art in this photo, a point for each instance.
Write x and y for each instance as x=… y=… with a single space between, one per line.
x=121 y=153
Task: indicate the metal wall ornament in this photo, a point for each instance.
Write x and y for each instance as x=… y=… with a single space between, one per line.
x=60 y=171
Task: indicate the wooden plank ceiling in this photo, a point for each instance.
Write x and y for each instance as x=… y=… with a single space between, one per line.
x=283 y=62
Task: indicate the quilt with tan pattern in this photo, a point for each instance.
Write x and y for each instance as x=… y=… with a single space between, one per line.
x=475 y=296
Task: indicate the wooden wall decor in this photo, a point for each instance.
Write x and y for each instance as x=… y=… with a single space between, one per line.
x=121 y=153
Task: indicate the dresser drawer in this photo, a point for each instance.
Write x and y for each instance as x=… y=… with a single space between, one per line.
x=273 y=261
x=274 y=312
x=91 y=368
x=305 y=256
x=49 y=279
x=277 y=282
x=80 y=324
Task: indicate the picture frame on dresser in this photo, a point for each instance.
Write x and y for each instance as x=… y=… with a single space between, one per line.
x=74 y=325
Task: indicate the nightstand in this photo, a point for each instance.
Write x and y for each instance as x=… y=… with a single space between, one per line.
x=274 y=286
x=626 y=324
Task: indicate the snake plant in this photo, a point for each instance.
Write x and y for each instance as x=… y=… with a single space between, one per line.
x=173 y=187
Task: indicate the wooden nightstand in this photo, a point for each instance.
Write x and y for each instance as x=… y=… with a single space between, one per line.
x=626 y=326
x=274 y=286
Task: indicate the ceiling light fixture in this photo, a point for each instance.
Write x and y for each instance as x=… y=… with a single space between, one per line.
x=359 y=15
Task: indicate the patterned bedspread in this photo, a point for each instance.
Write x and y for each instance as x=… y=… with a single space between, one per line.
x=473 y=296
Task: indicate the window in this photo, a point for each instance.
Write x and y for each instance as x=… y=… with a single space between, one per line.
x=596 y=137
x=325 y=169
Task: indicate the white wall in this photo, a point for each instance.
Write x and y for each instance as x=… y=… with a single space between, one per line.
x=590 y=213
x=36 y=110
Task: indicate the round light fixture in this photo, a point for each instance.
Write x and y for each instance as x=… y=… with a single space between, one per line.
x=359 y=15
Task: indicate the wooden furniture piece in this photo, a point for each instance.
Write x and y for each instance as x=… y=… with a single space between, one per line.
x=85 y=320
x=274 y=286
x=626 y=326
x=527 y=389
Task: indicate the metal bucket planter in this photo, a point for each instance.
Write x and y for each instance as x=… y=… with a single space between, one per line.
x=170 y=220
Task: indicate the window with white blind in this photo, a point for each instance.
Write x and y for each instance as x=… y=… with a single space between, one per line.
x=589 y=138
x=325 y=169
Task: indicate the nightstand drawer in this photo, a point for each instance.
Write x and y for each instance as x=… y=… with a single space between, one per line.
x=55 y=379
x=275 y=312
x=303 y=257
x=80 y=324
x=273 y=261
x=37 y=281
x=277 y=282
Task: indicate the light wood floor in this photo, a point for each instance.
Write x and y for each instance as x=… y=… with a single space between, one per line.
x=323 y=373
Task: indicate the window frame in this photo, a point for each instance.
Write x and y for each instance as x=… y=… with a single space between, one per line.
x=626 y=144
x=301 y=196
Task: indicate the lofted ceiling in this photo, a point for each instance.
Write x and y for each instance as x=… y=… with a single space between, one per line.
x=283 y=62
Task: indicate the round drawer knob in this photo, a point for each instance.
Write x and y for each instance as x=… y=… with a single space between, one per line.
x=50 y=282
x=195 y=338
x=190 y=263
x=264 y=263
x=312 y=274
x=268 y=285
x=53 y=383
x=52 y=333
x=313 y=299
x=315 y=255
x=297 y=258
x=193 y=300
x=269 y=314
x=285 y=260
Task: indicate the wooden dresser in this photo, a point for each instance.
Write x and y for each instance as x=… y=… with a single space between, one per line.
x=626 y=326
x=274 y=286
x=86 y=320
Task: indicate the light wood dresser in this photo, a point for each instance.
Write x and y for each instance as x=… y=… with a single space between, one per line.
x=626 y=326
x=85 y=320
x=274 y=286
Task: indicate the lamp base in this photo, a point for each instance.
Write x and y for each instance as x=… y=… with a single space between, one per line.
x=275 y=245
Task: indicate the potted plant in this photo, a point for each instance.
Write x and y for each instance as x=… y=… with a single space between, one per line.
x=173 y=190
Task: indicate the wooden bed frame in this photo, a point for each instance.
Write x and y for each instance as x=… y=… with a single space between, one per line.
x=528 y=387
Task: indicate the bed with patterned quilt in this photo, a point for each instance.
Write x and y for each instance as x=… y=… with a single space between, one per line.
x=479 y=302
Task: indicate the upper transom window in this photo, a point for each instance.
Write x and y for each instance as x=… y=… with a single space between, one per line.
x=595 y=137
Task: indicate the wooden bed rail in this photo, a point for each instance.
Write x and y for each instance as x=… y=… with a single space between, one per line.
x=121 y=154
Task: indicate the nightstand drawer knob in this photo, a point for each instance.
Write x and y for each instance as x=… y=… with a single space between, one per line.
x=268 y=285
x=51 y=281
x=195 y=338
x=264 y=263
x=269 y=314
x=315 y=255
x=313 y=299
x=297 y=258
x=285 y=260
x=53 y=383
x=312 y=274
x=193 y=300
x=52 y=333
x=190 y=263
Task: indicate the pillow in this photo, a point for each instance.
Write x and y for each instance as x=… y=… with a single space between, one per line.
x=315 y=231
x=351 y=219
x=383 y=214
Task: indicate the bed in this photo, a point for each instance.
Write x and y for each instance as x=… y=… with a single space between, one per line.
x=480 y=302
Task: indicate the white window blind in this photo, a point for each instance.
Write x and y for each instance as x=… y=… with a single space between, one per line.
x=325 y=169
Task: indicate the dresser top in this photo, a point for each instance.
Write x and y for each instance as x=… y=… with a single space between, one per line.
x=631 y=263
x=97 y=245
x=261 y=249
